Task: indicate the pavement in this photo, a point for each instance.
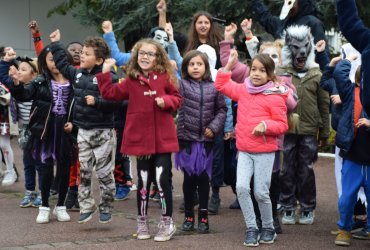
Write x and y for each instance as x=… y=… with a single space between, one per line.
x=18 y=229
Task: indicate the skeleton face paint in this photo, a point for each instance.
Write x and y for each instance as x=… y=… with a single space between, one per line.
x=274 y=55
x=288 y=5
x=161 y=37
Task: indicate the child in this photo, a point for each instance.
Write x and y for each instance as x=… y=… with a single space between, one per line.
x=352 y=138
x=94 y=118
x=149 y=133
x=27 y=70
x=52 y=95
x=261 y=119
x=201 y=116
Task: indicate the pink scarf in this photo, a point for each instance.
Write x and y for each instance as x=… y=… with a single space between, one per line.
x=257 y=89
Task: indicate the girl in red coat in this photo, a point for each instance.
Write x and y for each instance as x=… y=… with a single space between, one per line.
x=261 y=119
x=150 y=132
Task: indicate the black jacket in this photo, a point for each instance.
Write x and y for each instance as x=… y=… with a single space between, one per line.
x=85 y=83
x=305 y=16
x=39 y=90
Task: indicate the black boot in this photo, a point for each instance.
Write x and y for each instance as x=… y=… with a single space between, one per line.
x=188 y=224
x=235 y=204
x=71 y=198
x=277 y=226
x=213 y=205
x=203 y=225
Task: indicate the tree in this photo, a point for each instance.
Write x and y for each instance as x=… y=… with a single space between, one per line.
x=132 y=19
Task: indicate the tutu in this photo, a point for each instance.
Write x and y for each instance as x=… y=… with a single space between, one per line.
x=194 y=159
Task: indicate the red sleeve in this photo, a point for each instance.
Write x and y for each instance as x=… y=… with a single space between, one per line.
x=226 y=86
x=172 y=99
x=37 y=43
x=109 y=91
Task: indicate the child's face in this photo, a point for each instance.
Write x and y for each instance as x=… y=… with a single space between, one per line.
x=51 y=64
x=146 y=58
x=88 y=59
x=162 y=37
x=196 y=68
x=202 y=26
x=258 y=74
x=25 y=72
x=274 y=55
x=75 y=50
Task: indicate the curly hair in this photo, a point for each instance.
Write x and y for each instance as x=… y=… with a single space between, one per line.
x=100 y=47
x=162 y=62
x=214 y=35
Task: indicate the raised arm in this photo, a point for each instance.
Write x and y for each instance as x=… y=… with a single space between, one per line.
x=120 y=57
x=162 y=11
x=173 y=50
x=36 y=36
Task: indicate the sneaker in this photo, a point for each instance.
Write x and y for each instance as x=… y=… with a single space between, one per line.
x=188 y=224
x=268 y=235
x=29 y=196
x=122 y=192
x=105 y=218
x=214 y=205
x=85 y=217
x=142 y=228
x=156 y=197
x=71 y=198
x=358 y=225
x=280 y=208
x=306 y=218
x=43 y=216
x=37 y=202
x=277 y=225
x=9 y=178
x=235 y=204
x=203 y=225
x=61 y=213
x=343 y=238
x=166 y=229
x=362 y=235
x=251 y=237
x=288 y=217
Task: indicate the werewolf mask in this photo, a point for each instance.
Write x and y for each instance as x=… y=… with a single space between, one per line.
x=298 y=50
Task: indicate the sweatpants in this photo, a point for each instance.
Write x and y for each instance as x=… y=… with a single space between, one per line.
x=259 y=166
x=354 y=176
x=96 y=150
x=297 y=177
x=158 y=167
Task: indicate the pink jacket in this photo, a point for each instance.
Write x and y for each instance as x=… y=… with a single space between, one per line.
x=253 y=109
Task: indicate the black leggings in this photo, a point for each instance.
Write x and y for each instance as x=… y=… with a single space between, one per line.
x=47 y=180
x=157 y=167
x=189 y=186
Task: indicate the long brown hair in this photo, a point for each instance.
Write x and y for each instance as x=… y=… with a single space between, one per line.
x=214 y=34
x=268 y=63
x=185 y=63
x=162 y=62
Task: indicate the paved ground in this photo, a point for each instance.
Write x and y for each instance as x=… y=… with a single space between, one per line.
x=18 y=229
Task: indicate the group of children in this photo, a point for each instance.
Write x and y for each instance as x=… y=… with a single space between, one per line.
x=80 y=113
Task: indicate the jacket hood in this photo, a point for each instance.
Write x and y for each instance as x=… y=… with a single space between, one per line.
x=344 y=52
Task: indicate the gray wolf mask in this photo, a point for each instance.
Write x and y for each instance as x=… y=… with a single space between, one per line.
x=298 y=51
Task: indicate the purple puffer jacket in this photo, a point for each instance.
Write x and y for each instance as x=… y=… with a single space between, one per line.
x=202 y=107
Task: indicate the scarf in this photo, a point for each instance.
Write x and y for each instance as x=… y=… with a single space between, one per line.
x=257 y=89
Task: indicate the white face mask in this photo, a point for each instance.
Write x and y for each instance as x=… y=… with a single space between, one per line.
x=288 y=5
x=161 y=37
x=274 y=55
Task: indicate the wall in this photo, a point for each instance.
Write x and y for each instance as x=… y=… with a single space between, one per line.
x=16 y=14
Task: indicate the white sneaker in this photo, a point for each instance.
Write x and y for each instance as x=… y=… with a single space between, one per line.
x=61 y=213
x=9 y=178
x=43 y=216
x=166 y=229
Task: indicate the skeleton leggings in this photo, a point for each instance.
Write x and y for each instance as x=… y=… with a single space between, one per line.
x=158 y=166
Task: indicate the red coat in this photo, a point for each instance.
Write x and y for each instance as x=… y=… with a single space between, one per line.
x=252 y=109
x=149 y=129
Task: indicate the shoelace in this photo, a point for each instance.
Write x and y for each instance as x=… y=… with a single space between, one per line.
x=252 y=234
x=142 y=227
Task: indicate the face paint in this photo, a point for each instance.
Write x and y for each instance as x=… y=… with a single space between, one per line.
x=161 y=37
x=288 y=5
x=274 y=55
